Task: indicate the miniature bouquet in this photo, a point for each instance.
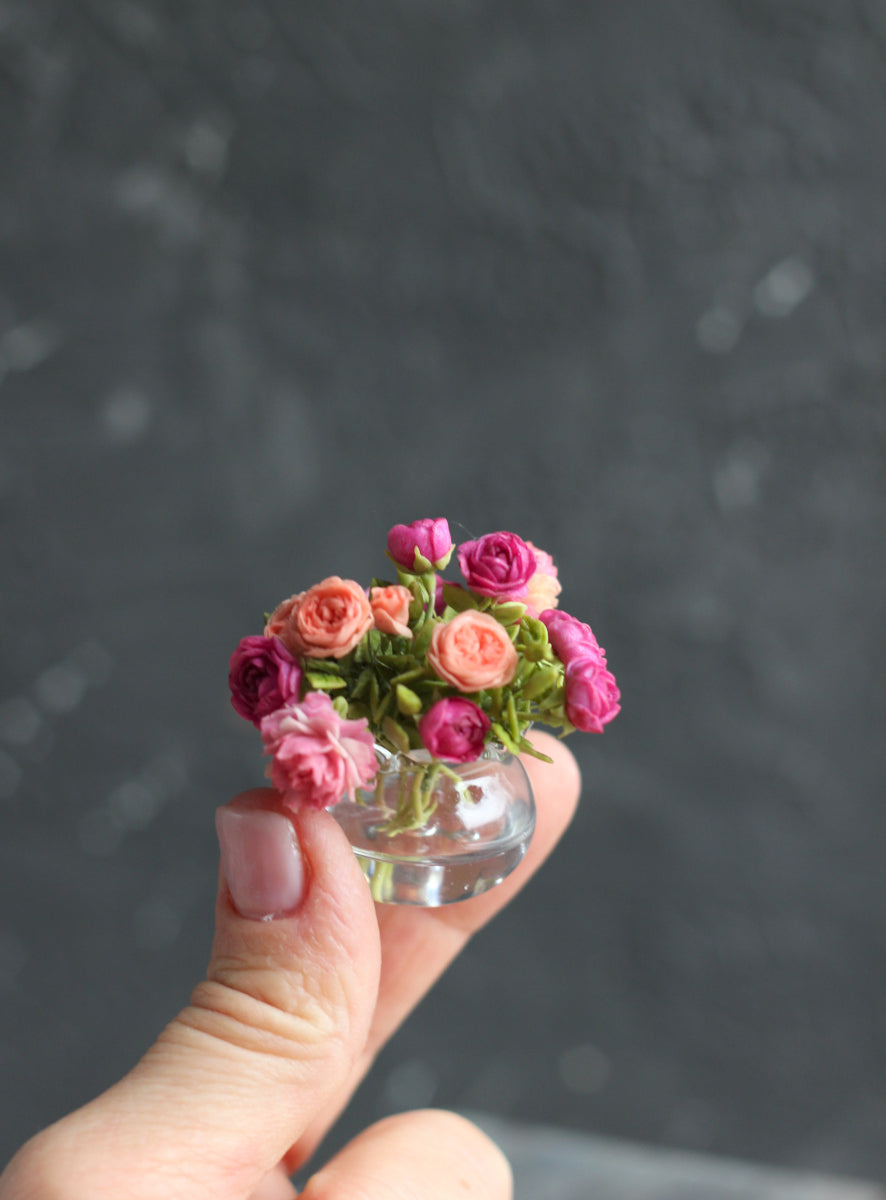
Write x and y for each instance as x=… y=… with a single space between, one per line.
x=424 y=669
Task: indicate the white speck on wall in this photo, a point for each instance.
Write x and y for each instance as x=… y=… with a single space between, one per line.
x=584 y=1069
x=156 y=924
x=126 y=416
x=206 y=147
x=780 y=291
x=10 y=776
x=61 y=688
x=28 y=345
x=20 y=721
x=718 y=330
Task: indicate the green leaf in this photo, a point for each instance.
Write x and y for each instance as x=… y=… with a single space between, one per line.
x=340 y=705
x=325 y=683
x=408 y=704
x=459 y=598
x=360 y=688
x=509 y=613
x=396 y=734
x=541 y=681
x=505 y=738
x=422 y=638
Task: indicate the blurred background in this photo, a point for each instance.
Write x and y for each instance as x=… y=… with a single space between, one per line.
x=275 y=276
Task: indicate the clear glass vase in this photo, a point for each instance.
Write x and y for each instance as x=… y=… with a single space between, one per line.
x=430 y=833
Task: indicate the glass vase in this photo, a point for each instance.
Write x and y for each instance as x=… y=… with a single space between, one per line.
x=428 y=833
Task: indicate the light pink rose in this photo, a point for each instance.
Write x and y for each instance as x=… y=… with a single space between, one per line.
x=592 y=695
x=498 y=565
x=429 y=538
x=544 y=586
x=326 y=621
x=390 y=609
x=316 y=756
x=262 y=676
x=571 y=638
x=454 y=729
x=473 y=651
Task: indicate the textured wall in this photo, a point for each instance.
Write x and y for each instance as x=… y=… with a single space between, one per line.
x=276 y=275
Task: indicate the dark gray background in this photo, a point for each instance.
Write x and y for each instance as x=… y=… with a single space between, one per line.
x=274 y=276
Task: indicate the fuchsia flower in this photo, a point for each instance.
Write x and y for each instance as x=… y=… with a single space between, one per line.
x=454 y=729
x=571 y=638
x=498 y=565
x=592 y=695
x=262 y=675
x=317 y=756
x=421 y=546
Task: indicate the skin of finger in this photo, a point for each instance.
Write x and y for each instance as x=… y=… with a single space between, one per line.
x=419 y=943
x=433 y=1154
x=269 y=1037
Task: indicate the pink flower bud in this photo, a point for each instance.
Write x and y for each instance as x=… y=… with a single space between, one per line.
x=454 y=729
x=592 y=695
x=429 y=538
x=571 y=638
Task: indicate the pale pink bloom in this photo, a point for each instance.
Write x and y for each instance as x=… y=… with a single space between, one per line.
x=326 y=621
x=390 y=609
x=473 y=651
x=543 y=587
x=317 y=757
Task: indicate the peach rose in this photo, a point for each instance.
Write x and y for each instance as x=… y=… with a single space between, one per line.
x=326 y=621
x=390 y=609
x=544 y=587
x=473 y=651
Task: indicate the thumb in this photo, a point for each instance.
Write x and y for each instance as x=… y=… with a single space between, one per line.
x=270 y=1034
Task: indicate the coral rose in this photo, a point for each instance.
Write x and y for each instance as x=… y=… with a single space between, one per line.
x=454 y=729
x=543 y=587
x=422 y=545
x=498 y=565
x=390 y=609
x=262 y=676
x=473 y=651
x=326 y=621
x=592 y=695
x=317 y=757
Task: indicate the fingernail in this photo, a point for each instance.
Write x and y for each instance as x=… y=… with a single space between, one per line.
x=262 y=862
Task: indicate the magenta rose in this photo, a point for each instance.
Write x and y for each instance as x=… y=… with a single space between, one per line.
x=571 y=638
x=317 y=757
x=497 y=564
x=454 y=729
x=592 y=695
x=421 y=546
x=262 y=676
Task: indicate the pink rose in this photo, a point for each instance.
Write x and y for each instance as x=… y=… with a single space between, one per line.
x=390 y=609
x=571 y=638
x=497 y=564
x=592 y=695
x=473 y=651
x=421 y=546
x=544 y=586
x=454 y=729
x=317 y=757
x=326 y=621
x=263 y=676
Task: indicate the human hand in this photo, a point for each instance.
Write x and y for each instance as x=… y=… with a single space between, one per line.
x=241 y=1086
